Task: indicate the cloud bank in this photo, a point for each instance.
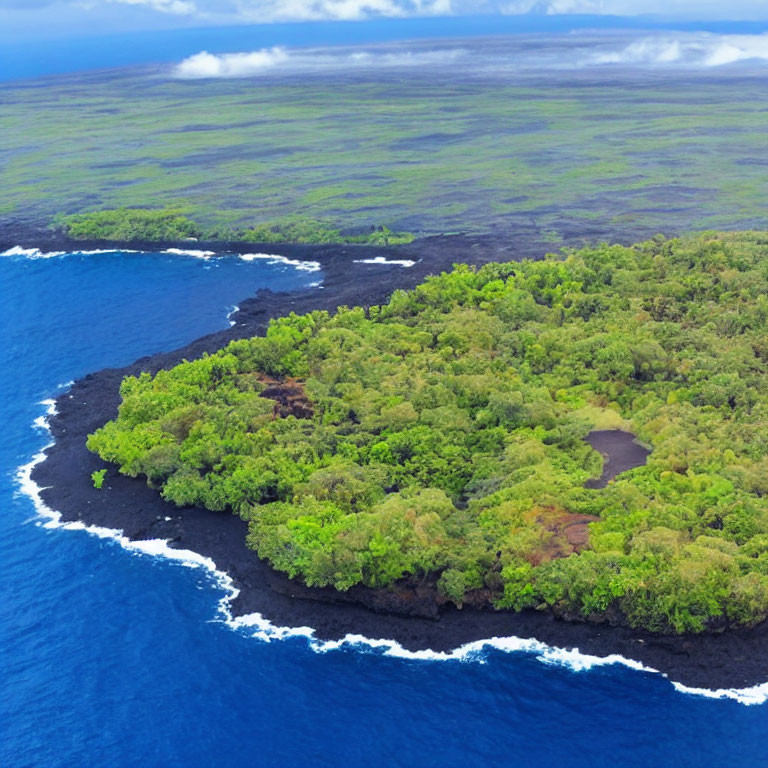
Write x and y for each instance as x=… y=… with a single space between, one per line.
x=693 y=50
x=499 y=57
x=176 y=7
x=264 y=11
x=207 y=65
x=268 y=11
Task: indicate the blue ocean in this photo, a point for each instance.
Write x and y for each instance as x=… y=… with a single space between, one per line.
x=116 y=658
x=66 y=53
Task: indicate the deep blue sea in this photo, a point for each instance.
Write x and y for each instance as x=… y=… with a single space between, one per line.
x=113 y=658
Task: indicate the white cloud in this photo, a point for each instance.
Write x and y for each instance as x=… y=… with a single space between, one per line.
x=554 y=7
x=733 y=48
x=177 y=7
x=261 y=11
x=269 y=11
x=677 y=9
x=207 y=65
x=503 y=57
x=216 y=12
x=689 y=50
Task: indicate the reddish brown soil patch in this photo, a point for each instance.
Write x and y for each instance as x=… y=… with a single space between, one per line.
x=563 y=534
x=289 y=396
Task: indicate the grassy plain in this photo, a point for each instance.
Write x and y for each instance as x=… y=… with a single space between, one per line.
x=561 y=154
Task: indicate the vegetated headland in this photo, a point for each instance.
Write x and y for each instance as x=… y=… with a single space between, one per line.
x=127 y=225
x=427 y=457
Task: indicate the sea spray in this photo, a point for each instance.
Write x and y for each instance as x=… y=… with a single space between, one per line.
x=392 y=262
x=273 y=258
x=190 y=252
x=270 y=258
x=31 y=253
x=757 y=694
x=258 y=627
x=37 y=253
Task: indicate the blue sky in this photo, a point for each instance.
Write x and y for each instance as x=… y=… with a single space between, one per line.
x=33 y=19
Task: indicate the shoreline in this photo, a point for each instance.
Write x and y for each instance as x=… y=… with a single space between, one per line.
x=257 y=626
x=724 y=664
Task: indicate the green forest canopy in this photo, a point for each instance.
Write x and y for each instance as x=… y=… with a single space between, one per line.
x=143 y=224
x=440 y=438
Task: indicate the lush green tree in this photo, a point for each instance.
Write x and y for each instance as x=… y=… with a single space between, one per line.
x=444 y=442
x=142 y=224
x=128 y=224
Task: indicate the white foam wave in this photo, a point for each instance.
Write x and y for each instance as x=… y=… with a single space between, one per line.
x=571 y=659
x=273 y=258
x=37 y=253
x=247 y=64
x=757 y=694
x=382 y=260
x=190 y=252
x=698 y=50
x=52 y=518
x=231 y=314
x=261 y=628
x=95 y=251
x=31 y=253
x=24 y=473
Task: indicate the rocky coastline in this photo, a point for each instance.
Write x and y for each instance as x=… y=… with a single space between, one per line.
x=732 y=659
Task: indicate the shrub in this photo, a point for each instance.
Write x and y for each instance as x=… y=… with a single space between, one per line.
x=97 y=478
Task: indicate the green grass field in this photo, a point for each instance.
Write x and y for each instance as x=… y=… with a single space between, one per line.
x=561 y=156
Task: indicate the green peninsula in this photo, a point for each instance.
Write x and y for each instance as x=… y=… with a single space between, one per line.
x=152 y=225
x=440 y=439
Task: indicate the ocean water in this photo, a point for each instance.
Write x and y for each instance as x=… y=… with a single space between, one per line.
x=29 y=54
x=115 y=658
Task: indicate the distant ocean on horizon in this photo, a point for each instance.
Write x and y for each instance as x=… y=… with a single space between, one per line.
x=37 y=58
x=120 y=659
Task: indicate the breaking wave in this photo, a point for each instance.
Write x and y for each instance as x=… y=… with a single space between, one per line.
x=757 y=694
x=270 y=258
x=262 y=629
x=382 y=260
x=190 y=252
x=37 y=253
x=31 y=253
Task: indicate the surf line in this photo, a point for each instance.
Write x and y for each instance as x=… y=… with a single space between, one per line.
x=382 y=260
x=270 y=258
x=259 y=627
